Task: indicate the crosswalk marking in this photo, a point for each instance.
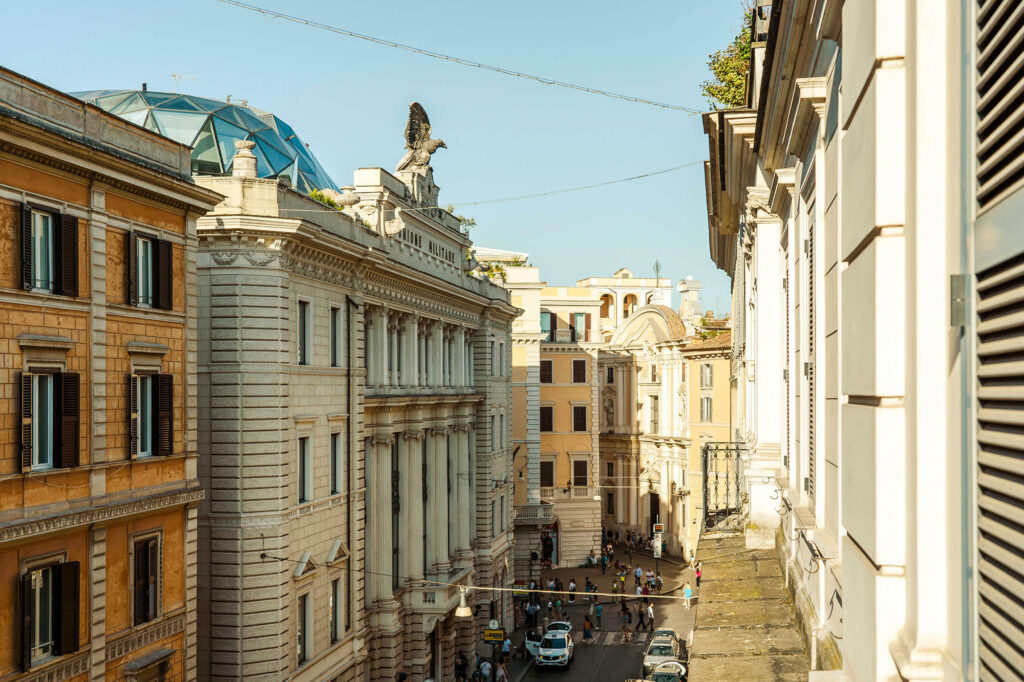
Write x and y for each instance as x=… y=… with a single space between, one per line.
x=617 y=638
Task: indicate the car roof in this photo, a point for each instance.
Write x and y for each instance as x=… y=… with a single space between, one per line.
x=661 y=640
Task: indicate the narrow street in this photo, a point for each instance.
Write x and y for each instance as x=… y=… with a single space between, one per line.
x=607 y=658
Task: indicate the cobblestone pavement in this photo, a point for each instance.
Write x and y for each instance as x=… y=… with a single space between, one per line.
x=745 y=622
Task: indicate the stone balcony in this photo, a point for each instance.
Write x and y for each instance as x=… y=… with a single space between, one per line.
x=542 y=514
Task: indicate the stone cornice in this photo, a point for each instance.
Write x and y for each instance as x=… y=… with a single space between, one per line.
x=24 y=528
x=63 y=670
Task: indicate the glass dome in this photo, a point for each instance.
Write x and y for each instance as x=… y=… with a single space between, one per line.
x=211 y=128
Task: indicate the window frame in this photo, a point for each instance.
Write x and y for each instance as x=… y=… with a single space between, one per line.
x=145 y=272
x=50 y=241
x=53 y=615
x=585 y=461
x=549 y=332
x=303 y=628
x=586 y=418
x=50 y=427
x=335 y=322
x=706 y=417
x=654 y=416
x=156 y=537
x=337 y=463
x=540 y=472
x=576 y=362
x=550 y=409
x=550 y=364
x=304 y=477
x=146 y=415
x=303 y=331
x=609 y=503
x=334 y=609
x=609 y=375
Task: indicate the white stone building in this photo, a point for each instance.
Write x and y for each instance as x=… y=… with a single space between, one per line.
x=353 y=378
x=866 y=207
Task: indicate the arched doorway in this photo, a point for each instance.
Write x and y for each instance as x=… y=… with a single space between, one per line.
x=607 y=306
x=628 y=305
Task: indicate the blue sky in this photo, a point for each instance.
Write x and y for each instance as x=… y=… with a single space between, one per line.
x=506 y=136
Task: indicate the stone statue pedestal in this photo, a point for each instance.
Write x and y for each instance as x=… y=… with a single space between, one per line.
x=420 y=181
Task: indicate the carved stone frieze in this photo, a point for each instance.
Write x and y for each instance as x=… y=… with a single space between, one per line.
x=151 y=633
x=65 y=670
x=21 y=529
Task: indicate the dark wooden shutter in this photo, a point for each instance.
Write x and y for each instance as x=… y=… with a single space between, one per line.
x=164 y=414
x=67 y=391
x=586 y=336
x=164 y=275
x=545 y=371
x=140 y=584
x=68 y=252
x=26 y=247
x=27 y=621
x=131 y=269
x=547 y=418
x=153 y=580
x=133 y=416
x=26 y=421
x=67 y=615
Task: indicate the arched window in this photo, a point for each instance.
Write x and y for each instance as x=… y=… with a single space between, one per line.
x=606 y=306
x=628 y=305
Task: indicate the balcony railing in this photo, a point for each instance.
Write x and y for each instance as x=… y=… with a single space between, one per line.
x=581 y=491
x=561 y=493
x=569 y=336
x=539 y=514
x=547 y=493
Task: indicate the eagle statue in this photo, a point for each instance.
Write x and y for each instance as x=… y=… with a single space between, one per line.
x=417 y=140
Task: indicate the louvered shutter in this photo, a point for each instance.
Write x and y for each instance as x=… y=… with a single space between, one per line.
x=153 y=580
x=140 y=584
x=164 y=275
x=1000 y=493
x=812 y=454
x=68 y=253
x=27 y=622
x=1000 y=86
x=133 y=416
x=66 y=390
x=164 y=414
x=131 y=269
x=587 y=331
x=26 y=421
x=66 y=635
x=26 y=247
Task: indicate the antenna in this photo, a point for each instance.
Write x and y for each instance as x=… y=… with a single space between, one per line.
x=657 y=273
x=180 y=77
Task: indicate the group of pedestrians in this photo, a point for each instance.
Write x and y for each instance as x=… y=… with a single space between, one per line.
x=644 y=618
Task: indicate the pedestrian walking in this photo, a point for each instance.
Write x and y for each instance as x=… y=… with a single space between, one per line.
x=598 y=610
x=647 y=593
x=572 y=591
x=650 y=614
x=506 y=648
x=640 y=624
x=588 y=636
x=637 y=574
x=461 y=664
x=650 y=578
x=697 y=575
x=626 y=632
x=658 y=583
x=604 y=563
x=551 y=609
x=558 y=607
x=501 y=674
x=485 y=669
x=687 y=595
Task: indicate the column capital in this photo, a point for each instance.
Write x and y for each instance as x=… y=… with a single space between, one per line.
x=382 y=439
x=412 y=435
x=439 y=431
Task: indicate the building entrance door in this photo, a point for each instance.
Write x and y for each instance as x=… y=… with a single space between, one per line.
x=655 y=512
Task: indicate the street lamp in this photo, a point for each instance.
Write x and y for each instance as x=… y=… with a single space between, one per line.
x=463 y=611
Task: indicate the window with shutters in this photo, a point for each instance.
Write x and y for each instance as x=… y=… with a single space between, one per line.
x=151 y=414
x=609 y=468
x=706 y=377
x=546 y=371
x=49 y=611
x=579 y=418
x=49 y=421
x=49 y=251
x=609 y=503
x=578 y=328
x=654 y=372
x=705 y=409
x=610 y=375
x=547 y=474
x=305 y=464
x=547 y=418
x=548 y=324
x=580 y=473
x=146 y=565
x=149 y=272
x=655 y=414
x=579 y=371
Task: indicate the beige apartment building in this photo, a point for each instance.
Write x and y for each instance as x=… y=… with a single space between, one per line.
x=354 y=400
x=866 y=205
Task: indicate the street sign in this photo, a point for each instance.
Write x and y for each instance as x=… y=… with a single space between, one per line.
x=659 y=528
x=494 y=636
x=656 y=544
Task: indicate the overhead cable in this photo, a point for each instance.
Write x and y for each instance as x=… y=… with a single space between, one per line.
x=457 y=60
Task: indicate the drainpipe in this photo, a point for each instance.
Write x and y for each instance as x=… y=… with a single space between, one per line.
x=352 y=448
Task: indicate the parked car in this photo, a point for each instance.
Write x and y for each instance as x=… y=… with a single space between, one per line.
x=665 y=632
x=532 y=642
x=560 y=626
x=556 y=649
x=660 y=650
x=669 y=671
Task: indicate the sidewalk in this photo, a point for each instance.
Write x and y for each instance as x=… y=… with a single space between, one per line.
x=667 y=613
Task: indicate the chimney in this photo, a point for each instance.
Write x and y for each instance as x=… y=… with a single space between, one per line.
x=144 y=87
x=244 y=163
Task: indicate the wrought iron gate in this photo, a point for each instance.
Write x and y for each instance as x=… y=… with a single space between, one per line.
x=723 y=482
